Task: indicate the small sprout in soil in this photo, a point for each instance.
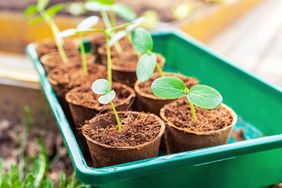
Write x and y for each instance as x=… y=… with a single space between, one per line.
x=110 y=8
x=38 y=13
x=200 y=95
x=84 y=25
x=102 y=87
x=143 y=43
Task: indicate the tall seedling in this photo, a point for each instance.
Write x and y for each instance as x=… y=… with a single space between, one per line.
x=38 y=13
x=84 y=25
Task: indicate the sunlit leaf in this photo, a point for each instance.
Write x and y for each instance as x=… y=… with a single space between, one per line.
x=30 y=11
x=204 y=96
x=107 y=98
x=87 y=23
x=145 y=67
x=168 y=87
x=35 y=20
x=96 y=6
x=100 y=86
x=142 y=40
x=124 y=11
x=67 y=33
x=76 y=8
x=52 y=11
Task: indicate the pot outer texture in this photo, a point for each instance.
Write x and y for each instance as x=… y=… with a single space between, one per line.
x=53 y=60
x=153 y=104
x=81 y=113
x=127 y=74
x=178 y=140
x=47 y=46
x=104 y=155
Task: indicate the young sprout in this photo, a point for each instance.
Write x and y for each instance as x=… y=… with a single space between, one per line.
x=102 y=87
x=84 y=25
x=38 y=13
x=200 y=95
x=109 y=7
x=143 y=43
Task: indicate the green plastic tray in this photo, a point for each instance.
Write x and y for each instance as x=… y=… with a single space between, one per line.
x=255 y=162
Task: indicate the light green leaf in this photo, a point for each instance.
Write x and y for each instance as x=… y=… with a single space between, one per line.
x=96 y=6
x=101 y=86
x=67 y=33
x=168 y=87
x=30 y=11
x=105 y=2
x=145 y=67
x=204 y=96
x=35 y=20
x=41 y=4
x=87 y=23
x=107 y=98
x=76 y=8
x=124 y=11
x=52 y=11
x=142 y=40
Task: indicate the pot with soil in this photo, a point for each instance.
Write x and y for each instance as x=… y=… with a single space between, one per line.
x=139 y=138
x=124 y=67
x=53 y=60
x=47 y=46
x=213 y=127
x=147 y=101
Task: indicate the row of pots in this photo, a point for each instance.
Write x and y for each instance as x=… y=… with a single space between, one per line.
x=91 y=119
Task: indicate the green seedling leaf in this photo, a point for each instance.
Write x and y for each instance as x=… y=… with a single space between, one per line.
x=106 y=2
x=67 y=33
x=96 y=6
x=87 y=23
x=121 y=34
x=36 y=20
x=107 y=98
x=145 y=67
x=204 y=96
x=168 y=87
x=30 y=11
x=41 y=4
x=101 y=86
x=142 y=40
x=52 y=11
x=124 y=11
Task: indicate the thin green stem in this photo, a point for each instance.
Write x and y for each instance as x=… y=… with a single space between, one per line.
x=193 y=111
x=83 y=55
x=159 y=69
x=109 y=60
x=117 y=118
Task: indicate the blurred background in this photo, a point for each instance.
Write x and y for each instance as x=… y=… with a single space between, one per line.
x=246 y=32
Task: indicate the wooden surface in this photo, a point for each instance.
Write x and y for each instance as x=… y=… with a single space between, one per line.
x=254 y=42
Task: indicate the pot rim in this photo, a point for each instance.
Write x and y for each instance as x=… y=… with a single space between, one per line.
x=161 y=132
x=139 y=92
x=207 y=133
x=129 y=99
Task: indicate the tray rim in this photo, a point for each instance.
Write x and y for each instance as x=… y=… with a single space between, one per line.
x=161 y=163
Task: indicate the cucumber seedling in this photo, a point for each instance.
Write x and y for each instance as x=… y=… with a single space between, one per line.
x=84 y=25
x=203 y=96
x=38 y=13
x=143 y=43
x=102 y=87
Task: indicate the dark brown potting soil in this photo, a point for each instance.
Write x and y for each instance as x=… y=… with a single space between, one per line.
x=137 y=129
x=47 y=46
x=179 y=114
x=145 y=87
x=84 y=96
x=68 y=77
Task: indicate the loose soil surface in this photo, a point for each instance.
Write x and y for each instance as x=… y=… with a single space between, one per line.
x=145 y=87
x=84 y=96
x=179 y=113
x=137 y=129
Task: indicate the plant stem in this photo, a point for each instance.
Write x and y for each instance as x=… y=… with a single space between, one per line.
x=113 y=18
x=108 y=25
x=109 y=60
x=117 y=118
x=83 y=55
x=193 y=111
x=159 y=69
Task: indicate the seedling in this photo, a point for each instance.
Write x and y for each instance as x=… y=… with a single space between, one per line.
x=38 y=13
x=143 y=43
x=102 y=87
x=168 y=87
x=85 y=24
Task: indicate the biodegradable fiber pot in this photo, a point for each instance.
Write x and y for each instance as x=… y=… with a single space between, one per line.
x=53 y=60
x=124 y=67
x=84 y=105
x=212 y=128
x=139 y=139
x=147 y=101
